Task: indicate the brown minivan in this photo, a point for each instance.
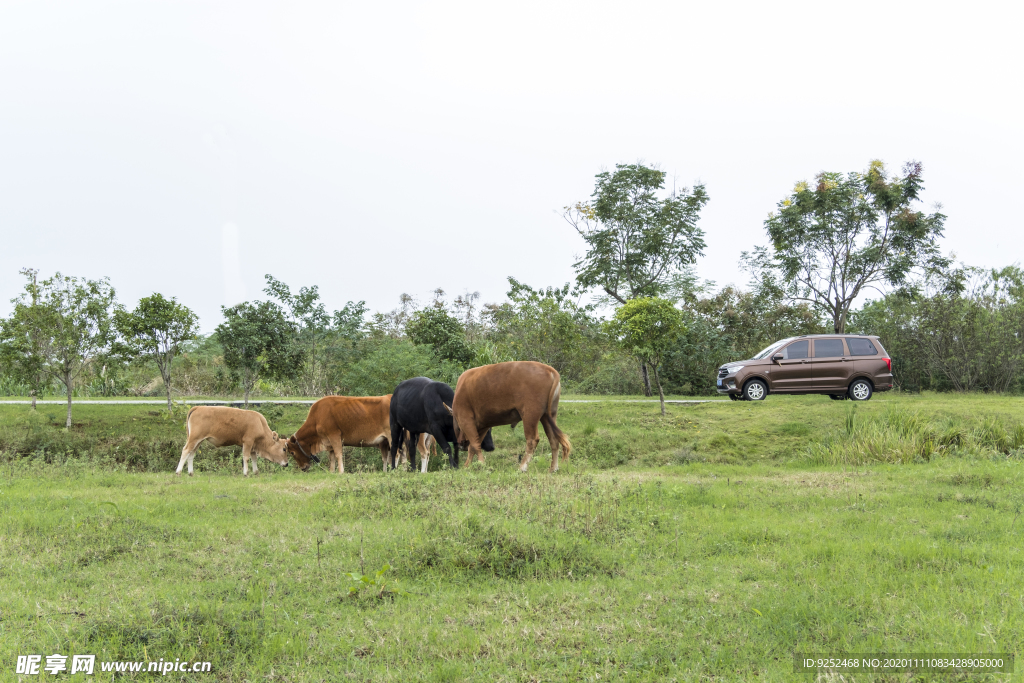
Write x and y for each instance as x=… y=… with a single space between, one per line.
x=839 y=365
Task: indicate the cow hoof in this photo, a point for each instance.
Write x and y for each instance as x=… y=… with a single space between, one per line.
x=190 y=474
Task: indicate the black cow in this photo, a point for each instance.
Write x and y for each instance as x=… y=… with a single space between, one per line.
x=418 y=406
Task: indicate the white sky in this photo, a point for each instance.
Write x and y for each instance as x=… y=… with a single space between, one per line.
x=380 y=148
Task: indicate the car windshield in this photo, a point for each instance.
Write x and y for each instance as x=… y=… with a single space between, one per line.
x=767 y=352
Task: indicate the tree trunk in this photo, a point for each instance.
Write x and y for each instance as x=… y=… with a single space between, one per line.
x=167 y=386
x=67 y=385
x=646 y=377
x=33 y=395
x=661 y=394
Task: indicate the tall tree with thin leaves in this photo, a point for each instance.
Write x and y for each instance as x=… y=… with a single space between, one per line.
x=843 y=235
x=72 y=320
x=639 y=243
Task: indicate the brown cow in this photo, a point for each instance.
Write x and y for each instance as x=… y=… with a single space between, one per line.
x=426 y=445
x=224 y=426
x=506 y=394
x=337 y=421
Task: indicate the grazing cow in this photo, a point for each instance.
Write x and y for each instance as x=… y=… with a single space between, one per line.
x=426 y=445
x=224 y=426
x=337 y=421
x=418 y=405
x=506 y=394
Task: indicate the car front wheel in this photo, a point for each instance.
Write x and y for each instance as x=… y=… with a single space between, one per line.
x=755 y=390
x=860 y=390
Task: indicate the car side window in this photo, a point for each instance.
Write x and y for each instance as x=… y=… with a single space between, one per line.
x=828 y=348
x=861 y=347
x=795 y=350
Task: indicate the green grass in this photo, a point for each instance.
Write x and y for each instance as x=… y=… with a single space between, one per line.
x=702 y=546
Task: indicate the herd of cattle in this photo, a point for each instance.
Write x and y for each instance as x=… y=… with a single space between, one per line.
x=420 y=411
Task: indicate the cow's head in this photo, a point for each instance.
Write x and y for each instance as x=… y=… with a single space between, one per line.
x=459 y=438
x=276 y=450
x=303 y=458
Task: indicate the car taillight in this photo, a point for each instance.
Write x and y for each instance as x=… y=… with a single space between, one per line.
x=888 y=363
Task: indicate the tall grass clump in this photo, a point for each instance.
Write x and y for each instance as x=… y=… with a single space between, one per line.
x=902 y=436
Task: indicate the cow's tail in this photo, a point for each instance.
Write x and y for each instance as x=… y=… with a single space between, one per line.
x=188 y=423
x=549 y=421
x=553 y=395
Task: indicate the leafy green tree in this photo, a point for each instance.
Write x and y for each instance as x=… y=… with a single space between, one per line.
x=960 y=330
x=22 y=339
x=439 y=330
x=638 y=243
x=385 y=363
x=70 y=320
x=258 y=343
x=847 y=234
x=647 y=328
x=549 y=325
x=156 y=328
x=323 y=339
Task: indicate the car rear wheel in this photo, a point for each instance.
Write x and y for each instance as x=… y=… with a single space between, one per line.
x=755 y=390
x=860 y=390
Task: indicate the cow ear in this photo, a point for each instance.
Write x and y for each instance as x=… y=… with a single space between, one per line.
x=447 y=407
x=292 y=439
x=275 y=435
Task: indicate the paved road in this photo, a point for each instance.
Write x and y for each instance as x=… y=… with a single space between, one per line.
x=142 y=402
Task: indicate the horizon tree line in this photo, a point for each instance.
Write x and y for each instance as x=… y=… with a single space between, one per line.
x=830 y=242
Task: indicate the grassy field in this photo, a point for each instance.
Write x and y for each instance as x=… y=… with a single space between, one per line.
x=708 y=545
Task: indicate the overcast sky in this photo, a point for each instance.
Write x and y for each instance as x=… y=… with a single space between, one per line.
x=380 y=148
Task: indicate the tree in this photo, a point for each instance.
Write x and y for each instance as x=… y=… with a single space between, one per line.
x=960 y=330
x=438 y=329
x=320 y=337
x=312 y=323
x=156 y=328
x=70 y=320
x=638 y=245
x=257 y=340
x=548 y=325
x=647 y=328
x=22 y=339
x=387 y=362
x=833 y=241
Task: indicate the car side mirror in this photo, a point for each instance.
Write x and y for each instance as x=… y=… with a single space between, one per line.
x=777 y=356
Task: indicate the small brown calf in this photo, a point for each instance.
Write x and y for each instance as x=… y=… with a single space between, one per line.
x=223 y=426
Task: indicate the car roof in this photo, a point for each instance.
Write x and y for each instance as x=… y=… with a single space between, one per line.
x=836 y=334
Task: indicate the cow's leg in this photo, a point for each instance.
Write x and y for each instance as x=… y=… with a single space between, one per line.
x=412 y=445
x=553 y=440
x=245 y=461
x=385 y=453
x=532 y=439
x=474 y=451
x=187 y=453
x=338 y=446
x=445 y=439
x=397 y=441
x=429 y=443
